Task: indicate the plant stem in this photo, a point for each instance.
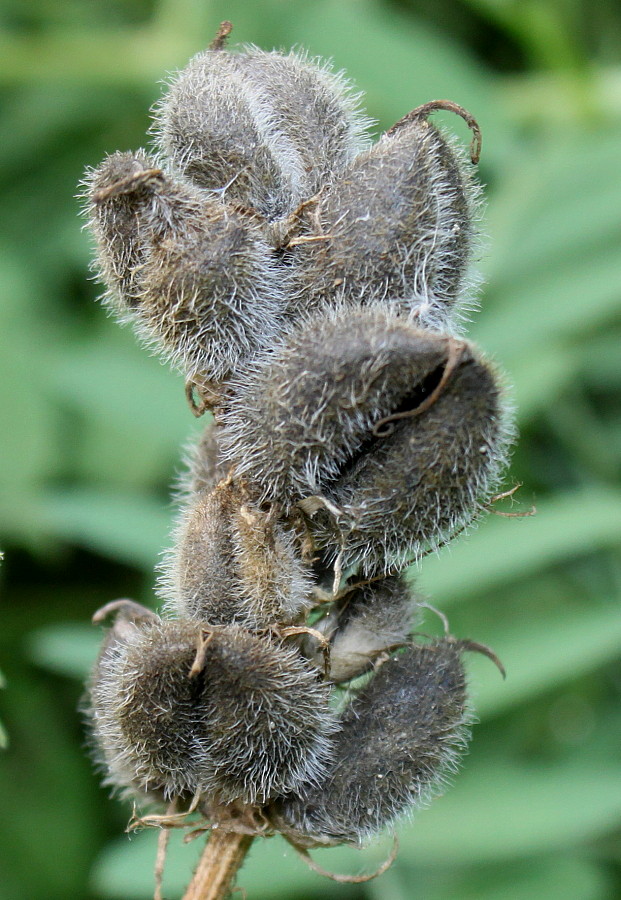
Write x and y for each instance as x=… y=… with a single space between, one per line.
x=218 y=865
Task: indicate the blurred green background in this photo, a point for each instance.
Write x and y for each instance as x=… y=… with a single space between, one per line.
x=92 y=430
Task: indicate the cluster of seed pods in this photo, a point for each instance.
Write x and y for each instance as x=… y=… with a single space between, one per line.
x=309 y=286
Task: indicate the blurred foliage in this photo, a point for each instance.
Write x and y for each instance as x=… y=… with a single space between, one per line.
x=93 y=430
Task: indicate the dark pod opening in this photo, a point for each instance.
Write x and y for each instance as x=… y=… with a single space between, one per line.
x=413 y=402
x=421 y=397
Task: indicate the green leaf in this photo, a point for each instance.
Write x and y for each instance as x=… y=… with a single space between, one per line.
x=52 y=835
x=132 y=57
x=134 y=416
x=554 y=269
x=498 y=810
x=131 y=528
x=67 y=649
x=580 y=294
x=505 y=550
x=559 y=200
x=600 y=361
x=4 y=738
x=539 y=378
x=553 y=878
x=542 y=654
x=29 y=448
x=112 y=378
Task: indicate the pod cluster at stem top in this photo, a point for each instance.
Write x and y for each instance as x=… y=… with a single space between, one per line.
x=309 y=285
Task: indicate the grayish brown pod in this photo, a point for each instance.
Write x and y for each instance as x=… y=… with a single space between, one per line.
x=425 y=471
x=387 y=436
x=301 y=413
x=399 y=738
x=234 y=562
x=263 y=129
x=398 y=226
x=176 y=710
x=203 y=464
x=365 y=623
x=193 y=275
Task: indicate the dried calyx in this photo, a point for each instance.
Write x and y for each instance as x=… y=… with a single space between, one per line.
x=309 y=287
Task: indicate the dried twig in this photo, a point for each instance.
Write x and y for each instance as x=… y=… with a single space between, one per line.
x=221 y=859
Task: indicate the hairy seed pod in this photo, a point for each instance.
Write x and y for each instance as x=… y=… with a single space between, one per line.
x=193 y=275
x=234 y=562
x=120 y=241
x=424 y=473
x=300 y=413
x=264 y=129
x=176 y=710
x=204 y=466
x=389 y=435
x=399 y=738
x=366 y=622
x=397 y=227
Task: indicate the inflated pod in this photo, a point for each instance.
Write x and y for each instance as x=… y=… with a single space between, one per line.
x=387 y=436
x=398 y=739
x=424 y=473
x=193 y=275
x=176 y=710
x=365 y=623
x=234 y=562
x=398 y=226
x=301 y=413
x=264 y=129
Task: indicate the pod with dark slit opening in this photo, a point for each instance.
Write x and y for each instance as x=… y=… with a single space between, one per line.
x=425 y=472
x=176 y=710
x=300 y=414
x=398 y=226
x=399 y=738
x=264 y=129
x=193 y=275
x=386 y=436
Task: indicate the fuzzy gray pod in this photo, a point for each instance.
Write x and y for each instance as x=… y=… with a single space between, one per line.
x=204 y=466
x=399 y=738
x=252 y=722
x=233 y=562
x=390 y=436
x=301 y=412
x=193 y=275
x=262 y=129
x=366 y=623
x=420 y=478
x=398 y=226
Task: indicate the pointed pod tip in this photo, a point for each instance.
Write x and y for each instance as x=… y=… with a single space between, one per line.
x=476 y=647
x=127 y=609
x=221 y=37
